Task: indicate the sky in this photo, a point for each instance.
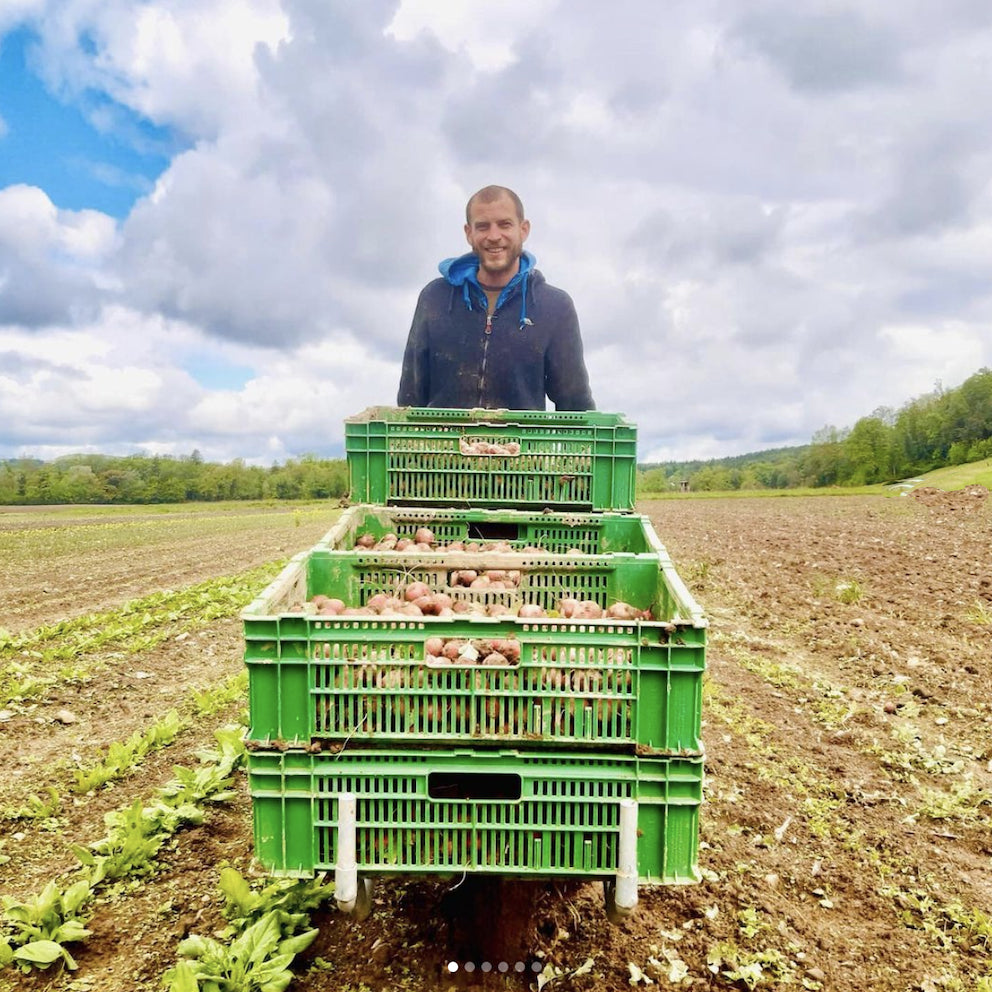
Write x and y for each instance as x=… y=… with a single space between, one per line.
x=216 y=215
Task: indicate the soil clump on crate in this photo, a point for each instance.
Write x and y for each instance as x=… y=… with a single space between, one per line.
x=845 y=829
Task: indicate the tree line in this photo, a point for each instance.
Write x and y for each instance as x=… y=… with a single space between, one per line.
x=944 y=427
x=165 y=479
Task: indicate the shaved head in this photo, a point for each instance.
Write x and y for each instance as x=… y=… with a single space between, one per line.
x=489 y=194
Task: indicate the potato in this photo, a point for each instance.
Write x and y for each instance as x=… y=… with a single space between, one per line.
x=530 y=610
x=510 y=649
x=623 y=611
x=415 y=590
x=433 y=645
x=568 y=607
x=452 y=648
x=366 y=540
x=424 y=535
x=377 y=602
x=495 y=658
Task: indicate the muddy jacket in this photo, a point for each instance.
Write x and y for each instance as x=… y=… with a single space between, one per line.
x=456 y=356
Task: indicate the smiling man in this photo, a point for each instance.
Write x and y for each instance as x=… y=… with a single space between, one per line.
x=491 y=332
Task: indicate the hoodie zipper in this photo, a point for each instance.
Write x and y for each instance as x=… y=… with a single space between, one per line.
x=487 y=335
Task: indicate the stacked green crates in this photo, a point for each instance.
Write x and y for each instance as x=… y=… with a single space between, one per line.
x=518 y=769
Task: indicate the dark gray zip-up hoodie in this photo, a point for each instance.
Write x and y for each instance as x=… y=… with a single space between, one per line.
x=456 y=357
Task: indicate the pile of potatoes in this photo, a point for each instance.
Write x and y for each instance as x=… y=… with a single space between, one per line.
x=417 y=600
x=424 y=539
x=441 y=651
x=480 y=446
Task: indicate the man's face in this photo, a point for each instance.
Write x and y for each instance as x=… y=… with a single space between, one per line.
x=497 y=236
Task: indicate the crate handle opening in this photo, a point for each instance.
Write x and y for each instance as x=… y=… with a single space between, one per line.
x=493 y=530
x=474 y=785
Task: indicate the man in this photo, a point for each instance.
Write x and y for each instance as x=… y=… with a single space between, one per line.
x=491 y=332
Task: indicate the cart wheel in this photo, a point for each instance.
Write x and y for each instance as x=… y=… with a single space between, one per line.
x=614 y=913
x=363 y=904
x=361 y=908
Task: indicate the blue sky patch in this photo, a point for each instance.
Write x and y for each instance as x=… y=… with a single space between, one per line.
x=54 y=145
x=215 y=373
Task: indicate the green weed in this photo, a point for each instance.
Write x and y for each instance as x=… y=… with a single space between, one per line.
x=121 y=758
x=979 y=613
x=36 y=931
x=963 y=803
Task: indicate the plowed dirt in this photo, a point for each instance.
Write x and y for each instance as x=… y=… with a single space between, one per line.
x=846 y=840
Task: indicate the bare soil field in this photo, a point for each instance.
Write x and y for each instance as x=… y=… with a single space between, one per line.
x=845 y=831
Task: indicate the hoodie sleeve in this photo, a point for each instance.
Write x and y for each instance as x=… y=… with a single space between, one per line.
x=565 y=376
x=415 y=377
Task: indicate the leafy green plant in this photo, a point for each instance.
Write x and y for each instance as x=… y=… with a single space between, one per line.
x=980 y=613
x=135 y=836
x=37 y=809
x=963 y=802
x=916 y=757
x=138 y=625
x=36 y=931
x=291 y=899
x=208 y=701
x=121 y=758
x=948 y=925
x=848 y=591
x=257 y=960
x=768 y=967
x=137 y=832
x=749 y=922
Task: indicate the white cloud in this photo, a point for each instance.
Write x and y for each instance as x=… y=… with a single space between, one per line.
x=762 y=235
x=457 y=27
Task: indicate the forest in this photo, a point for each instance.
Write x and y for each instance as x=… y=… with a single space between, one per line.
x=161 y=479
x=944 y=427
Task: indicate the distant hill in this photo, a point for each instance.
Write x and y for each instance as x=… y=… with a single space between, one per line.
x=946 y=429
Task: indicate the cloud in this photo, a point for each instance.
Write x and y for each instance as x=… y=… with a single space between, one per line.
x=749 y=209
x=52 y=262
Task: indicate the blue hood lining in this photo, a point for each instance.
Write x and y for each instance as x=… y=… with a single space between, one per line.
x=463 y=271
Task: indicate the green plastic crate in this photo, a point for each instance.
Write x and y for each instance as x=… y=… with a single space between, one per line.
x=557 y=533
x=629 y=685
x=507 y=813
x=418 y=456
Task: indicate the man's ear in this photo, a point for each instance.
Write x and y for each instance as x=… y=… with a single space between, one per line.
x=468 y=234
x=524 y=229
